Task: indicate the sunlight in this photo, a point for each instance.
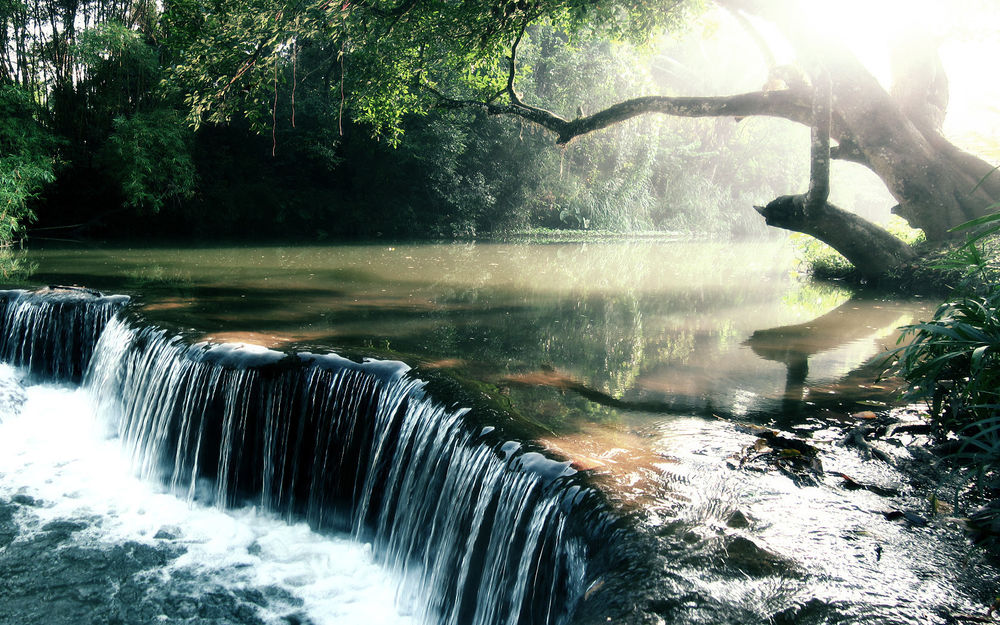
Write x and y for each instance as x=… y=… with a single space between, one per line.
x=966 y=34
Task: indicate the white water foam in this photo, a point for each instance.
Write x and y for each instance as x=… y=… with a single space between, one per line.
x=55 y=449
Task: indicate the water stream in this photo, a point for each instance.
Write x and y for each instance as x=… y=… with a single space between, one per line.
x=571 y=446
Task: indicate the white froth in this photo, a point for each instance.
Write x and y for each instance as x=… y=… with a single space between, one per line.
x=57 y=451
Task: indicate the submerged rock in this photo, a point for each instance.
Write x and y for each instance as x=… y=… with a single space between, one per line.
x=54 y=577
x=26 y=500
x=738 y=520
x=8 y=528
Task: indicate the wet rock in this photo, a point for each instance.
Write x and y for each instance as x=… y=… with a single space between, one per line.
x=911 y=428
x=812 y=611
x=277 y=594
x=857 y=438
x=793 y=457
x=219 y=605
x=851 y=484
x=737 y=520
x=745 y=555
x=8 y=528
x=167 y=533
x=26 y=500
x=69 y=290
x=64 y=526
x=911 y=518
x=671 y=606
x=252 y=595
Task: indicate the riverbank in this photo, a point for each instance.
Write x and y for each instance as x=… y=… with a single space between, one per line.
x=937 y=271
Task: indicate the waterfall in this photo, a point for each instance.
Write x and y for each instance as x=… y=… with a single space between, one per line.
x=481 y=529
x=52 y=332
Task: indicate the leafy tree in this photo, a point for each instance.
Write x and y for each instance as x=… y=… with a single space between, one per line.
x=403 y=58
x=148 y=153
x=25 y=161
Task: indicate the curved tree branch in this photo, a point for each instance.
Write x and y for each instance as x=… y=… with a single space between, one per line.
x=537 y=115
x=788 y=104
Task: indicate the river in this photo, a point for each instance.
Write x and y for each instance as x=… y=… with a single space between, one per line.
x=647 y=366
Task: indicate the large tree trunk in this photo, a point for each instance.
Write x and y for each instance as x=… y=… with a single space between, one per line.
x=937 y=185
x=898 y=136
x=871 y=249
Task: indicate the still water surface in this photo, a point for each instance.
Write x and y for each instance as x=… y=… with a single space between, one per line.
x=645 y=362
x=653 y=322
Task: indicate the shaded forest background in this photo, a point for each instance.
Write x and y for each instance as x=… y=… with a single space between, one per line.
x=100 y=138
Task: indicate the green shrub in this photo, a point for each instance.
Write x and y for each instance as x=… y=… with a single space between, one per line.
x=149 y=155
x=26 y=165
x=822 y=261
x=953 y=360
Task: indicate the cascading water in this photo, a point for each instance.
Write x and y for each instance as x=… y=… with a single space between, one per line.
x=52 y=332
x=480 y=530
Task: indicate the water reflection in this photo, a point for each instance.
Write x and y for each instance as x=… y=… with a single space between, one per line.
x=679 y=325
x=840 y=340
x=645 y=362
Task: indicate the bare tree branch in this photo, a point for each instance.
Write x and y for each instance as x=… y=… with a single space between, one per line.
x=787 y=104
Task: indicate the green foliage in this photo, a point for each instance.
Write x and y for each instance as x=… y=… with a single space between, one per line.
x=322 y=119
x=26 y=164
x=383 y=59
x=955 y=357
x=149 y=154
x=14 y=267
x=822 y=261
x=601 y=181
x=954 y=361
x=818 y=258
x=113 y=41
x=21 y=178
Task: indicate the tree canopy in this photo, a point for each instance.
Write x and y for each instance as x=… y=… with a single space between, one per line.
x=148 y=99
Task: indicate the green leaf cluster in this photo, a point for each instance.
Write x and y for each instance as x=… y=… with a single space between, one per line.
x=26 y=165
x=149 y=155
x=953 y=360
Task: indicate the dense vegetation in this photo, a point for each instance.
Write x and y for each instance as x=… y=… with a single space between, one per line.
x=952 y=361
x=229 y=119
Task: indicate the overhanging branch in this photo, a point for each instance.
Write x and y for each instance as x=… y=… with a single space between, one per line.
x=787 y=104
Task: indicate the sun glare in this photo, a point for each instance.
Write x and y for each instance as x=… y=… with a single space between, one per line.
x=966 y=33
